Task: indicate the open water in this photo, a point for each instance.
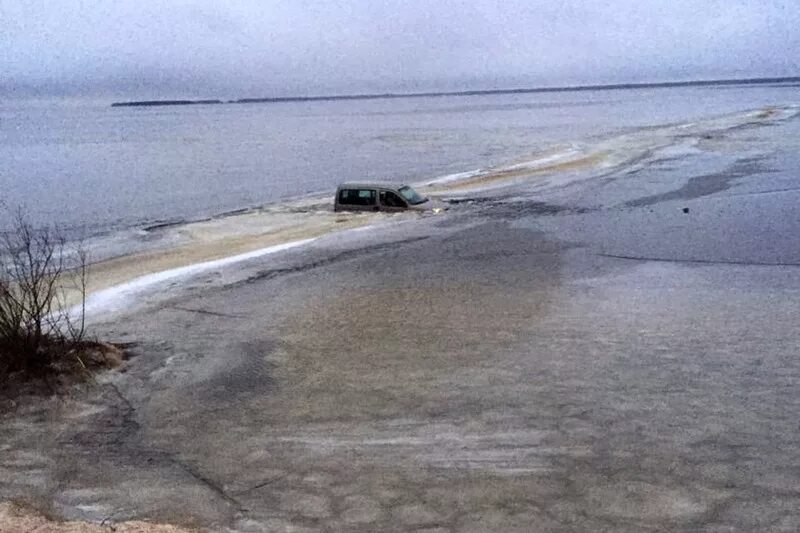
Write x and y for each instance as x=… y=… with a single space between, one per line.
x=96 y=170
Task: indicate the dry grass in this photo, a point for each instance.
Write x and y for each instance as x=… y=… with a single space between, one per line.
x=73 y=367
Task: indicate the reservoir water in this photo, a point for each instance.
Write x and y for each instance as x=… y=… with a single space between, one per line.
x=94 y=169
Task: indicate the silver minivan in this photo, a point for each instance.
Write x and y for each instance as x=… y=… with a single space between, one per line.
x=378 y=197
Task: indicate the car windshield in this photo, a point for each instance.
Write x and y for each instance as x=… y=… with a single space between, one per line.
x=411 y=195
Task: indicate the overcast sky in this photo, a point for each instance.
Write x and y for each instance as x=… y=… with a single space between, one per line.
x=231 y=48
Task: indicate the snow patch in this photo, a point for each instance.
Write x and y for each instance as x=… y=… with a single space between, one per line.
x=117 y=297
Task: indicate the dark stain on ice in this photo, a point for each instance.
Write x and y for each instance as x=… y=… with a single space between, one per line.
x=251 y=371
x=707 y=184
x=343 y=256
x=505 y=208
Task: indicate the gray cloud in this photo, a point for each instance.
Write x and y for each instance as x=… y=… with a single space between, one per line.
x=250 y=47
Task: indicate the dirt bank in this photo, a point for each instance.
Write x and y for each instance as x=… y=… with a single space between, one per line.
x=17 y=519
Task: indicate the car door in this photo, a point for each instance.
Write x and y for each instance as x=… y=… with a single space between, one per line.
x=390 y=201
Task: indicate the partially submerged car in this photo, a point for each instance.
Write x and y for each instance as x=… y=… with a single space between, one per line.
x=380 y=197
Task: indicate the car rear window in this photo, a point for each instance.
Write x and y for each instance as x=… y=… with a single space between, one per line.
x=357 y=196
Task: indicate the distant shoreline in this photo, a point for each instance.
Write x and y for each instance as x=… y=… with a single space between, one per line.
x=146 y=103
x=382 y=96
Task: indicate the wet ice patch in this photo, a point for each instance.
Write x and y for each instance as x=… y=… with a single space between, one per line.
x=620 y=153
x=645 y=501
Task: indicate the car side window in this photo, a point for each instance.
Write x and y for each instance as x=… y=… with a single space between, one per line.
x=390 y=199
x=357 y=197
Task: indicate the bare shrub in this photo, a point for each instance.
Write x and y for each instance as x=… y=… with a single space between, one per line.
x=42 y=299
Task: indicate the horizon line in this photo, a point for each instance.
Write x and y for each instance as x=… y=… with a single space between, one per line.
x=471 y=92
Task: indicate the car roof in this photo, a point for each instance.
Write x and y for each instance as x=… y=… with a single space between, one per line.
x=369 y=185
